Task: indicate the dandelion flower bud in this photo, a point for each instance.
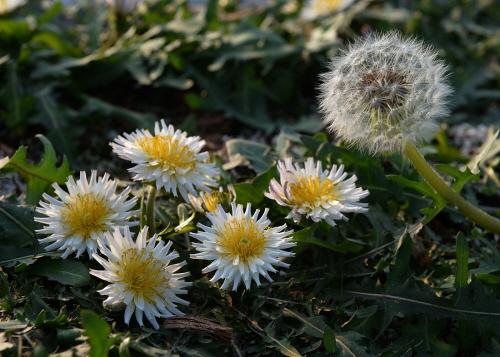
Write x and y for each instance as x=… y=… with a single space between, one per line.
x=384 y=90
x=208 y=201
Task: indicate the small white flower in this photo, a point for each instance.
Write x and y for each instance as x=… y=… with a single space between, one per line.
x=208 y=201
x=242 y=246
x=141 y=276
x=170 y=158
x=319 y=195
x=384 y=90
x=77 y=219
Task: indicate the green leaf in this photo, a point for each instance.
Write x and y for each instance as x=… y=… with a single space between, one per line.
x=401 y=270
x=286 y=348
x=56 y=121
x=306 y=236
x=349 y=344
x=194 y=101
x=38 y=176
x=95 y=106
x=245 y=152
x=4 y=285
x=42 y=320
x=14 y=32
x=218 y=99
x=253 y=191
x=329 y=341
x=419 y=186
x=18 y=105
x=17 y=226
x=10 y=325
x=51 y=13
x=68 y=336
x=488 y=278
x=461 y=177
x=67 y=272
x=98 y=331
x=11 y=255
x=446 y=150
x=17 y=235
x=211 y=13
x=476 y=303
x=246 y=54
x=462 y=275
x=57 y=43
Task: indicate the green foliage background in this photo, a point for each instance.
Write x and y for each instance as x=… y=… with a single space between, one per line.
x=410 y=277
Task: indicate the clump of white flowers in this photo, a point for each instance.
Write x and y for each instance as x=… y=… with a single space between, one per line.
x=242 y=246
x=78 y=218
x=315 y=193
x=384 y=90
x=141 y=276
x=169 y=158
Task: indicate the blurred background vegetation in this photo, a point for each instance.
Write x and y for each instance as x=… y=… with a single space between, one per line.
x=81 y=71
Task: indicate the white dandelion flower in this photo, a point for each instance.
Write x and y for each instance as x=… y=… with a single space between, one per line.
x=170 y=158
x=79 y=217
x=315 y=193
x=242 y=246
x=385 y=90
x=141 y=276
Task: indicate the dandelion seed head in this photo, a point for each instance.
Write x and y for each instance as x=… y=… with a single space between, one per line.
x=384 y=90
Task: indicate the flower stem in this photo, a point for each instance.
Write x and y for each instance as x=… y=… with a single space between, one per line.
x=470 y=211
x=150 y=209
x=112 y=26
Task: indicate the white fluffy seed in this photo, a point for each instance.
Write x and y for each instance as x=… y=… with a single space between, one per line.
x=384 y=90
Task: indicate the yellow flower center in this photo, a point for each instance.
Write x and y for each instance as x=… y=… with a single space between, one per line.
x=311 y=191
x=168 y=152
x=326 y=6
x=142 y=274
x=211 y=200
x=241 y=238
x=85 y=214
